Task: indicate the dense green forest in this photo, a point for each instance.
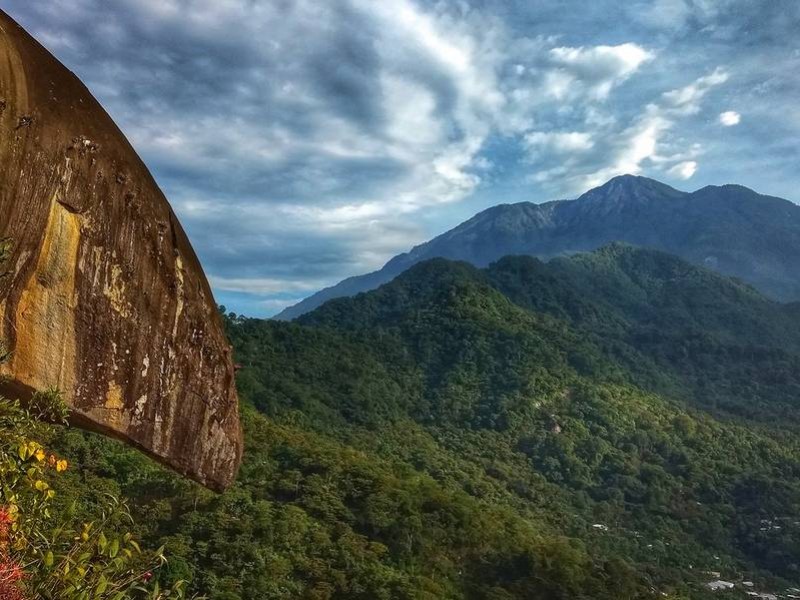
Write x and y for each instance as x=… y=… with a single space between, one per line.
x=612 y=425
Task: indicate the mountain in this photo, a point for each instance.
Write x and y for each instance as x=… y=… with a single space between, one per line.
x=728 y=228
x=618 y=424
x=662 y=320
x=101 y=292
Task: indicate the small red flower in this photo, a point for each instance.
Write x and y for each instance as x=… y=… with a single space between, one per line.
x=9 y=591
x=10 y=572
x=10 y=575
x=5 y=526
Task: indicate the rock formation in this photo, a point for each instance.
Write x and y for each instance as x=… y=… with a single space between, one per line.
x=103 y=296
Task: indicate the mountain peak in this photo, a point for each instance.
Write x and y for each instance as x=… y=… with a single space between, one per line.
x=633 y=182
x=625 y=189
x=628 y=179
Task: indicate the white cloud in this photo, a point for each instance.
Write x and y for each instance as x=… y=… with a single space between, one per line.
x=686 y=100
x=598 y=68
x=619 y=61
x=683 y=170
x=607 y=148
x=666 y=14
x=729 y=118
x=559 y=142
x=629 y=149
x=264 y=286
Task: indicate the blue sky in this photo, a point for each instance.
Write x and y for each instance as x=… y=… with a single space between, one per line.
x=304 y=141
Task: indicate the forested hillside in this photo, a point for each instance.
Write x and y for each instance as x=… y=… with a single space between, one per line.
x=614 y=425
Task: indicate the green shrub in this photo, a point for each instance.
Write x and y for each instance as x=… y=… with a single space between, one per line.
x=56 y=554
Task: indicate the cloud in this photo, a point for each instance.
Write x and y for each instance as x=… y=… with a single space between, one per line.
x=334 y=118
x=729 y=118
x=264 y=287
x=683 y=170
x=629 y=149
x=302 y=142
x=665 y=14
x=607 y=148
x=686 y=100
x=735 y=22
x=559 y=142
x=598 y=68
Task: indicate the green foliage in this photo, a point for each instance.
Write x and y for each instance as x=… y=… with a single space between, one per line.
x=677 y=329
x=597 y=427
x=47 y=551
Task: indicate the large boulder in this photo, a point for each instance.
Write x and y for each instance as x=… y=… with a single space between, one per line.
x=102 y=295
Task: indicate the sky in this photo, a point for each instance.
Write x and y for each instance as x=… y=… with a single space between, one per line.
x=304 y=141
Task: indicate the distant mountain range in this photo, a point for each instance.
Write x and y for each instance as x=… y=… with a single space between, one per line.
x=729 y=228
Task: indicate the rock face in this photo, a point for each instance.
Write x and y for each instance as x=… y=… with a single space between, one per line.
x=103 y=296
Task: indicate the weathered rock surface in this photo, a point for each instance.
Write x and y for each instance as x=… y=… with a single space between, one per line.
x=104 y=296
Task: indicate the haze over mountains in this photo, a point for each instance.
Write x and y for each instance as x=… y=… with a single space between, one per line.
x=730 y=228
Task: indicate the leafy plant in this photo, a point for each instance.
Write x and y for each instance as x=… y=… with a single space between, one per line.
x=51 y=554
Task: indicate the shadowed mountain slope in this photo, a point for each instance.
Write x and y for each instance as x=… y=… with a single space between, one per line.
x=729 y=228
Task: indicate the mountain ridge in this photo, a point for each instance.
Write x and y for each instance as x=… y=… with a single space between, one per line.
x=722 y=227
